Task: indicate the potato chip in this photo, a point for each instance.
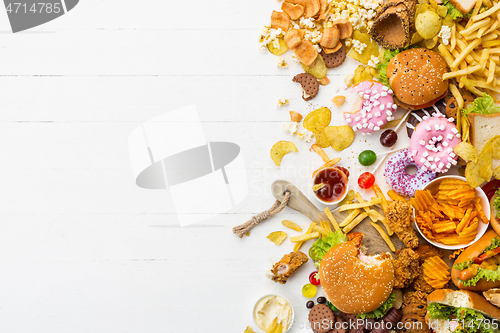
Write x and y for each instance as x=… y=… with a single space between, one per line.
x=340 y=137
x=282 y=47
x=495 y=146
x=330 y=37
x=431 y=43
x=295 y=11
x=280 y=20
x=436 y=272
x=277 y=237
x=322 y=139
x=335 y=49
x=249 y=330
x=306 y=52
x=496 y=172
x=416 y=38
x=345 y=28
x=362 y=73
x=370 y=50
x=319 y=69
x=428 y=24
x=280 y=149
x=442 y=11
x=293 y=37
x=466 y=151
x=317 y=120
x=291 y=225
x=348 y=198
x=312 y=8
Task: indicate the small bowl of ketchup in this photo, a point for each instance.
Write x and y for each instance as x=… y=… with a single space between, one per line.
x=330 y=185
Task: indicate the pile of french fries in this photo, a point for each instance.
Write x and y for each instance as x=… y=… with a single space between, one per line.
x=473 y=54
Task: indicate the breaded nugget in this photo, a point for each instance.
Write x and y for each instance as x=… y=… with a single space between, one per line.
x=284 y=268
x=419 y=284
x=405 y=267
x=398 y=216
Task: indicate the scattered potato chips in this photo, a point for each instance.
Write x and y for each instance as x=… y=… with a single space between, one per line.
x=370 y=50
x=428 y=24
x=340 y=137
x=278 y=50
x=306 y=52
x=317 y=120
x=362 y=73
x=436 y=272
x=291 y=225
x=280 y=149
x=451 y=216
x=319 y=69
x=322 y=139
x=466 y=151
x=249 y=330
x=277 y=237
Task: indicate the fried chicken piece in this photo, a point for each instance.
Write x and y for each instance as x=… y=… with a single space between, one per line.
x=398 y=216
x=419 y=284
x=356 y=237
x=284 y=268
x=415 y=297
x=405 y=267
x=426 y=251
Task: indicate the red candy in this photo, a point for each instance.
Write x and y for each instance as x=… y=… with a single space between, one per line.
x=366 y=180
x=314 y=278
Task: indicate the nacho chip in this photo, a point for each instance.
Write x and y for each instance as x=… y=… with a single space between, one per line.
x=319 y=69
x=277 y=237
x=317 y=120
x=295 y=11
x=280 y=149
x=306 y=52
x=466 y=151
x=280 y=20
x=340 y=137
x=293 y=37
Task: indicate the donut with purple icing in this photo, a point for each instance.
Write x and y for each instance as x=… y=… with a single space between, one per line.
x=397 y=177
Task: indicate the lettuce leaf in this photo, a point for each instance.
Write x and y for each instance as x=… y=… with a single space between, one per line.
x=482 y=273
x=454 y=12
x=495 y=242
x=381 y=67
x=496 y=202
x=463 y=265
x=483 y=105
x=320 y=247
x=471 y=321
x=381 y=310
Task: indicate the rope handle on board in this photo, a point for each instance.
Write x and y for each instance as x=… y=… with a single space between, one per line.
x=278 y=206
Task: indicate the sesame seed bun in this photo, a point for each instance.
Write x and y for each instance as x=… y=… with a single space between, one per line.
x=353 y=282
x=416 y=76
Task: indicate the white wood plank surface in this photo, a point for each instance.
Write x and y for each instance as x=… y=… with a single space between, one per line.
x=82 y=248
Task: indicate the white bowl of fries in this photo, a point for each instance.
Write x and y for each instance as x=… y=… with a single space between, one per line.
x=448 y=215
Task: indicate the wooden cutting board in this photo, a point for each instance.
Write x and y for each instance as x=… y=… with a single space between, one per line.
x=372 y=239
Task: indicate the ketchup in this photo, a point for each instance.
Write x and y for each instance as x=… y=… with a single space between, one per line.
x=335 y=180
x=490 y=188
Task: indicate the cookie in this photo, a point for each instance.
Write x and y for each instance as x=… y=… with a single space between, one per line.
x=415 y=117
x=416 y=309
x=321 y=318
x=411 y=323
x=335 y=59
x=310 y=86
x=452 y=108
x=339 y=326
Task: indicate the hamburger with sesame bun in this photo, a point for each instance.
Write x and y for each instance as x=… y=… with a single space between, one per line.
x=356 y=283
x=416 y=77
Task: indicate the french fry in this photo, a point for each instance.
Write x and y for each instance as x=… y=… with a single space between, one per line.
x=465 y=52
x=458 y=96
x=384 y=236
x=328 y=214
x=395 y=196
x=491 y=75
x=381 y=196
x=446 y=55
x=319 y=229
x=320 y=152
x=360 y=205
x=485 y=14
x=305 y=237
x=297 y=245
x=484 y=58
x=453 y=41
x=350 y=217
x=328 y=164
x=355 y=222
x=366 y=209
x=462 y=72
x=480 y=213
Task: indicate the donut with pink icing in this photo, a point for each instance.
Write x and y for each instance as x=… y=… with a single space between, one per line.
x=399 y=180
x=375 y=110
x=432 y=143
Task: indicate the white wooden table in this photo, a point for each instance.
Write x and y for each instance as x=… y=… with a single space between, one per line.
x=82 y=248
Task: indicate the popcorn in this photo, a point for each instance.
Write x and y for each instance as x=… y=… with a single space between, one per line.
x=307 y=136
x=282 y=63
x=445 y=34
x=291 y=127
x=282 y=102
x=358 y=46
x=373 y=62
